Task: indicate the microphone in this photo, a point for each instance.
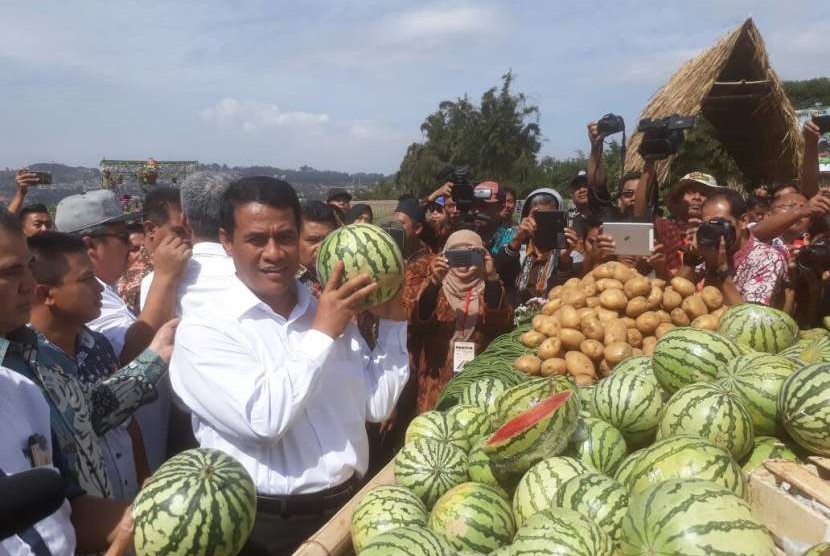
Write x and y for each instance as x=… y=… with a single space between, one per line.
x=28 y=497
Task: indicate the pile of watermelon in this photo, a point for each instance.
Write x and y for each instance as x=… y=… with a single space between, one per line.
x=651 y=459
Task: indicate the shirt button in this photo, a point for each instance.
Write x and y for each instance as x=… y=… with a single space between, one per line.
x=117 y=455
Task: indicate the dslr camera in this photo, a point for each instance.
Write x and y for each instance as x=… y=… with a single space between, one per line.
x=462 y=188
x=814 y=257
x=710 y=233
x=662 y=137
x=610 y=124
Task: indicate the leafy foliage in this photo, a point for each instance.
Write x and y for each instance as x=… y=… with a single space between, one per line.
x=807 y=93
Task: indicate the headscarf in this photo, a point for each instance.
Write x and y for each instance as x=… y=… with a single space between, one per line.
x=355 y=212
x=463 y=293
x=532 y=254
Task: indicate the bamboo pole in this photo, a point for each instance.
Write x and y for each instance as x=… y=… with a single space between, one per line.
x=334 y=538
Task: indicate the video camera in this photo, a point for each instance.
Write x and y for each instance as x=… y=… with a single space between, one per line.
x=814 y=257
x=464 y=196
x=662 y=137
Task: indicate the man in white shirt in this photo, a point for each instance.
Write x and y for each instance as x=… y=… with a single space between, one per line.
x=280 y=381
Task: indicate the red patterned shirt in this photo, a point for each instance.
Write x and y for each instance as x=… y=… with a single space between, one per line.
x=760 y=270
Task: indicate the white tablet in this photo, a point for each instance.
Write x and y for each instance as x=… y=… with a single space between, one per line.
x=632 y=238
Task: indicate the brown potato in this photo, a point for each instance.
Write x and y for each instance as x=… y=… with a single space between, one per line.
x=579 y=364
x=682 y=286
x=604 y=315
x=554 y=366
x=537 y=321
x=648 y=322
x=648 y=345
x=588 y=279
x=555 y=291
x=635 y=338
x=584 y=380
x=712 y=297
x=638 y=286
x=592 y=301
x=671 y=299
x=549 y=348
x=707 y=322
x=616 y=352
x=531 y=338
x=679 y=317
x=573 y=297
x=528 y=364
x=572 y=283
x=663 y=315
x=568 y=317
x=694 y=306
x=592 y=328
x=655 y=297
x=571 y=338
x=615 y=331
x=589 y=289
x=660 y=283
x=586 y=312
x=623 y=273
x=603 y=271
x=719 y=312
x=613 y=299
x=636 y=352
x=550 y=327
x=629 y=322
x=551 y=306
x=608 y=284
x=636 y=306
x=662 y=329
x=592 y=348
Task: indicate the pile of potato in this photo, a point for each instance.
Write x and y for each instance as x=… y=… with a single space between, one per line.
x=591 y=324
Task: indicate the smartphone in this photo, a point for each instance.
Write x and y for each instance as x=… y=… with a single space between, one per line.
x=464 y=257
x=44 y=178
x=550 y=229
x=632 y=238
x=823 y=123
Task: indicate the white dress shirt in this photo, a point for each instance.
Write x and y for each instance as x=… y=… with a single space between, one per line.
x=287 y=401
x=24 y=412
x=115 y=319
x=207 y=275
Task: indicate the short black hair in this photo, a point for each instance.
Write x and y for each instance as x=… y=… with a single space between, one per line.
x=49 y=252
x=512 y=190
x=257 y=189
x=10 y=223
x=135 y=228
x=819 y=226
x=36 y=208
x=737 y=203
x=631 y=175
x=159 y=201
x=318 y=211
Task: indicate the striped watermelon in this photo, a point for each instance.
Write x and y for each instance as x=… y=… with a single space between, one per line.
x=804 y=404
x=623 y=472
x=710 y=411
x=474 y=517
x=756 y=380
x=639 y=365
x=537 y=489
x=479 y=469
x=201 y=501
x=364 y=249
x=437 y=426
x=759 y=327
x=527 y=395
x=597 y=497
x=598 y=445
x=483 y=392
x=540 y=432
x=764 y=448
x=560 y=531
x=430 y=468
x=479 y=368
x=822 y=549
x=383 y=509
x=809 y=352
x=586 y=399
x=686 y=457
x=693 y=518
x=813 y=334
x=408 y=541
x=684 y=356
x=631 y=402
x=471 y=420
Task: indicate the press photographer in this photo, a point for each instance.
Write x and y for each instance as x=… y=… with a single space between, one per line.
x=811 y=276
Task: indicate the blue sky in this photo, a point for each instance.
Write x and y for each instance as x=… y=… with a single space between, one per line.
x=344 y=84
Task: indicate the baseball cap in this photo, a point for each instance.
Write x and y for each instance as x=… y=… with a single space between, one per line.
x=413 y=209
x=489 y=192
x=441 y=201
x=706 y=182
x=579 y=180
x=93 y=208
x=336 y=192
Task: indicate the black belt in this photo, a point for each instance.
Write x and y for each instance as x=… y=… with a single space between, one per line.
x=308 y=504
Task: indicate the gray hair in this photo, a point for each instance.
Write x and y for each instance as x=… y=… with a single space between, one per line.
x=202 y=201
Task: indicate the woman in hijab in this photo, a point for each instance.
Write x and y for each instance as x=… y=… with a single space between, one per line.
x=359 y=214
x=461 y=309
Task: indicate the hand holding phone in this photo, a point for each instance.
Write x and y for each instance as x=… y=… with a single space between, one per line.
x=464 y=258
x=550 y=229
x=823 y=123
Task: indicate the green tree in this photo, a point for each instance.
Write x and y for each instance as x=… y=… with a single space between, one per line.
x=702 y=152
x=807 y=93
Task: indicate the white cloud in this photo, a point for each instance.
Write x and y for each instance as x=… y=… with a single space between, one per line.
x=437 y=24
x=252 y=116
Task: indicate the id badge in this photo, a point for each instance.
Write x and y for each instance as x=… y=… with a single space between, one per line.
x=462 y=353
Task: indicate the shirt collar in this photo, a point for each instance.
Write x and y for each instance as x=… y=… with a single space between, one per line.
x=209 y=248
x=241 y=300
x=23 y=336
x=742 y=253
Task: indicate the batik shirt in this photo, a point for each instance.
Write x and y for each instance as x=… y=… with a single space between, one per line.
x=129 y=285
x=502 y=237
x=80 y=412
x=760 y=270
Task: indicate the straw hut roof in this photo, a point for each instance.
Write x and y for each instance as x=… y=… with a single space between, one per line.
x=734 y=87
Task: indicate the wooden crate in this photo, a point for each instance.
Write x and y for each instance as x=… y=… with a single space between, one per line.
x=334 y=538
x=785 y=497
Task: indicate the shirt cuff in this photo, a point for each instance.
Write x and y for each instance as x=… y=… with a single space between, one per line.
x=392 y=334
x=153 y=367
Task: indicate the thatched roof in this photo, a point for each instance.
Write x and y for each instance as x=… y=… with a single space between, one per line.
x=734 y=87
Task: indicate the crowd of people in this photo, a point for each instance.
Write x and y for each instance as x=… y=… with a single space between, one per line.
x=203 y=323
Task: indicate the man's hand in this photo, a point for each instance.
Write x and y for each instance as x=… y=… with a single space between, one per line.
x=818 y=205
x=525 y=231
x=811 y=133
x=170 y=257
x=438 y=269
x=25 y=179
x=594 y=136
x=604 y=246
x=122 y=536
x=443 y=191
x=392 y=309
x=165 y=339
x=339 y=303
x=572 y=238
x=490 y=272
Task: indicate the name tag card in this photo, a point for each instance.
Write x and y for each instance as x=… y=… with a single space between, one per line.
x=462 y=353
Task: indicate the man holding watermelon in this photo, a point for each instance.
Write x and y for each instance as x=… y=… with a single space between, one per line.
x=283 y=382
